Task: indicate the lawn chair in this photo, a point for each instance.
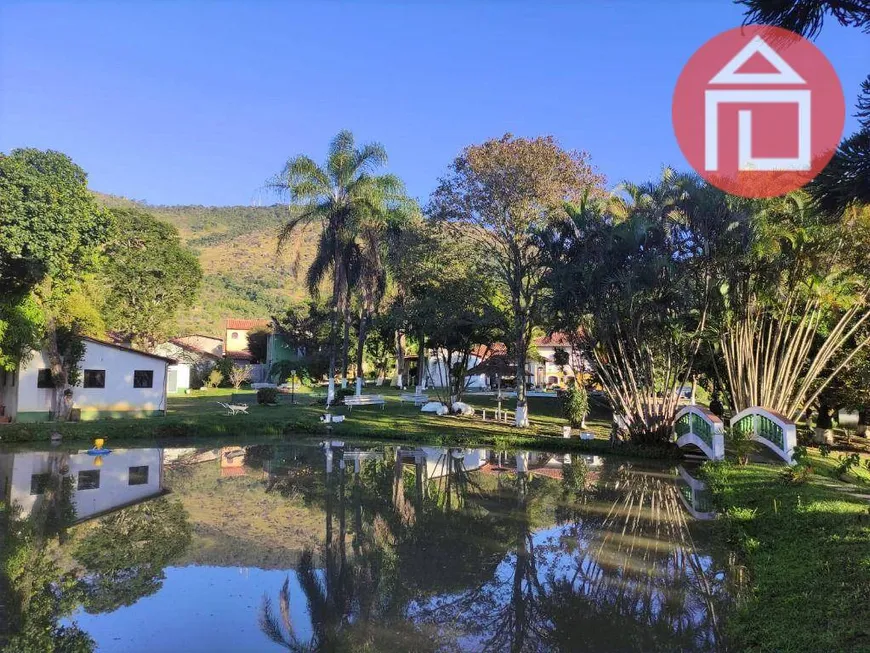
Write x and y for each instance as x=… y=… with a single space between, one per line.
x=234 y=409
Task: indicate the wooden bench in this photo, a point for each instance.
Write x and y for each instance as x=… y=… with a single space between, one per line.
x=418 y=398
x=364 y=400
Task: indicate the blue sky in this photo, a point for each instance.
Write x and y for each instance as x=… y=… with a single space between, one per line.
x=199 y=102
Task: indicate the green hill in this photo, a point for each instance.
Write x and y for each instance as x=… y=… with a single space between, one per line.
x=243 y=275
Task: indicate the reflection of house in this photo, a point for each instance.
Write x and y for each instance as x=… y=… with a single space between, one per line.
x=100 y=484
x=236 y=337
x=115 y=382
x=232 y=461
x=436 y=460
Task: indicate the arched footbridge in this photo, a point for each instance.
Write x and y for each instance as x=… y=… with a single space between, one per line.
x=696 y=425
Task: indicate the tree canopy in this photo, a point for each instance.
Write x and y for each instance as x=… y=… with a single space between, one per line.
x=149 y=274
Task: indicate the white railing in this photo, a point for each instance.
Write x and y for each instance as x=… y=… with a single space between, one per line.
x=777 y=433
x=697 y=426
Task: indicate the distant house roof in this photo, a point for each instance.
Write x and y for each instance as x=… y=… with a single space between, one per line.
x=193 y=348
x=199 y=335
x=128 y=349
x=555 y=339
x=245 y=324
x=240 y=355
x=485 y=351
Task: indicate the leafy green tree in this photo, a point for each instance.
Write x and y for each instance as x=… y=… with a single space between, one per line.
x=575 y=404
x=501 y=193
x=450 y=301
x=628 y=274
x=150 y=276
x=51 y=234
x=335 y=197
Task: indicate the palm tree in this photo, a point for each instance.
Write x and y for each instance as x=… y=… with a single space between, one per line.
x=336 y=197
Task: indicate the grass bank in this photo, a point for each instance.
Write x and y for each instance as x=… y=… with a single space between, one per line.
x=198 y=416
x=807 y=552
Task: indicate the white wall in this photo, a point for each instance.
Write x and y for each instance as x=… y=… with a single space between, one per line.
x=437 y=374
x=114 y=489
x=182 y=377
x=119 y=393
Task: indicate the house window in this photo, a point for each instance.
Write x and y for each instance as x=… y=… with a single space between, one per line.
x=143 y=379
x=234 y=335
x=38 y=483
x=95 y=378
x=44 y=380
x=138 y=475
x=89 y=480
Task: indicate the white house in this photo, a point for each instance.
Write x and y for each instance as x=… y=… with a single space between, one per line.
x=100 y=484
x=436 y=373
x=544 y=371
x=115 y=382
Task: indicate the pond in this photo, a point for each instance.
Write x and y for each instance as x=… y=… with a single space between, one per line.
x=338 y=546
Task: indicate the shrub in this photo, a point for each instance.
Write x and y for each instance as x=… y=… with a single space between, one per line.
x=740 y=443
x=846 y=463
x=797 y=475
x=575 y=405
x=267 y=395
x=215 y=378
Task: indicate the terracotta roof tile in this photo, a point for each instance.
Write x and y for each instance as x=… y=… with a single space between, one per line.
x=245 y=324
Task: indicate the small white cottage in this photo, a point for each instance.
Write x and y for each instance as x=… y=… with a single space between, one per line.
x=115 y=382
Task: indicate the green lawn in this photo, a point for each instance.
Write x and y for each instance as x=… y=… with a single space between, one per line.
x=199 y=415
x=807 y=552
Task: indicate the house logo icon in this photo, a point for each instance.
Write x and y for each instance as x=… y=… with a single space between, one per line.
x=758 y=111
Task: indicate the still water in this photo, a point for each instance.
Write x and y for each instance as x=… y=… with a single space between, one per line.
x=334 y=546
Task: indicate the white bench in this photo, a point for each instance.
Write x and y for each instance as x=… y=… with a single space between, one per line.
x=418 y=398
x=364 y=400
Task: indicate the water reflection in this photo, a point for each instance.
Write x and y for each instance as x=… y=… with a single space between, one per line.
x=347 y=547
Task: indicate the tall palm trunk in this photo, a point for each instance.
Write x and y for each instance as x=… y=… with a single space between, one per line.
x=333 y=333
x=346 y=342
x=361 y=340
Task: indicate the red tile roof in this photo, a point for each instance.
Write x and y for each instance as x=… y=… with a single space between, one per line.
x=193 y=348
x=245 y=324
x=485 y=351
x=557 y=339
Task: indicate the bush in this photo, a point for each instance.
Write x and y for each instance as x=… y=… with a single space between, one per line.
x=267 y=395
x=797 y=475
x=575 y=405
x=225 y=367
x=215 y=378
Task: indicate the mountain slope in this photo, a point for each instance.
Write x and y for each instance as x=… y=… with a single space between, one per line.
x=243 y=274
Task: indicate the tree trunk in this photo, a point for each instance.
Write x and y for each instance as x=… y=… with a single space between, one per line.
x=333 y=344
x=345 y=342
x=400 y=359
x=864 y=422
x=361 y=341
x=521 y=416
x=421 y=361
x=59 y=373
